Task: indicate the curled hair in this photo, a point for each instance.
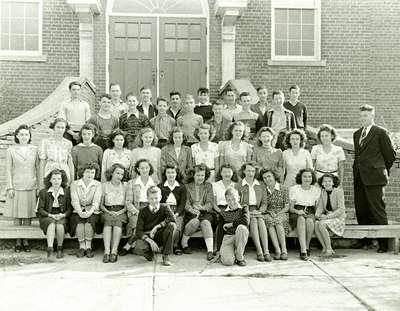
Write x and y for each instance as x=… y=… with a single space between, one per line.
x=171 y=166
x=227 y=166
x=305 y=170
x=88 y=166
x=110 y=171
x=209 y=128
x=335 y=180
x=269 y=170
x=114 y=134
x=199 y=168
x=302 y=135
x=243 y=168
x=139 y=140
x=229 y=131
x=87 y=127
x=22 y=127
x=174 y=131
x=58 y=120
x=136 y=167
x=64 y=178
x=327 y=128
x=152 y=190
x=263 y=130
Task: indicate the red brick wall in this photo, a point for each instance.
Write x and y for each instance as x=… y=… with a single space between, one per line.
x=23 y=85
x=361 y=51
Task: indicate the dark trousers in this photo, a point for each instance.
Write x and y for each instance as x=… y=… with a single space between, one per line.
x=370 y=207
x=164 y=237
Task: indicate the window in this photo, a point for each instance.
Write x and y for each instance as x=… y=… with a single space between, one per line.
x=21 y=27
x=295 y=30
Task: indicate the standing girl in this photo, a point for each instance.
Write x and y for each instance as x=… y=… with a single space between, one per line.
x=21 y=181
x=114 y=211
x=54 y=207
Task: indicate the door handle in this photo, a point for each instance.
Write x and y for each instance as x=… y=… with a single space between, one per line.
x=153 y=76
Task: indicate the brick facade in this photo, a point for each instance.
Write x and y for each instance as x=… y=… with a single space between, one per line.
x=24 y=85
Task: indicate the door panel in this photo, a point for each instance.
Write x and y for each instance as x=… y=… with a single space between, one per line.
x=133 y=53
x=182 y=55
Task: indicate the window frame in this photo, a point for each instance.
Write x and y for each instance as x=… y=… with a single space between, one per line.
x=22 y=54
x=297 y=59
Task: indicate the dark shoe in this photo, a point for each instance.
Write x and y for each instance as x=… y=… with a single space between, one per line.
x=241 y=263
x=308 y=253
x=124 y=252
x=260 y=257
x=186 y=250
x=267 y=258
x=149 y=255
x=60 y=253
x=49 y=252
x=277 y=256
x=284 y=256
x=106 y=258
x=177 y=251
x=382 y=250
x=89 y=253
x=80 y=253
x=113 y=258
x=18 y=248
x=166 y=261
x=27 y=248
x=303 y=256
x=210 y=256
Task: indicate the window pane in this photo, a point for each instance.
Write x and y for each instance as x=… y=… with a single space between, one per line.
x=183 y=31
x=195 y=46
x=17 y=42
x=133 y=45
x=145 y=30
x=120 y=29
x=133 y=30
x=32 y=10
x=17 y=9
x=170 y=45
x=294 y=32
x=4 y=42
x=120 y=44
x=308 y=48
x=308 y=16
x=5 y=7
x=5 y=25
x=294 y=16
x=182 y=45
x=170 y=30
x=280 y=48
x=17 y=26
x=281 y=31
x=32 y=43
x=31 y=26
x=281 y=16
x=195 y=30
x=294 y=48
x=145 y=45
x=308 y=32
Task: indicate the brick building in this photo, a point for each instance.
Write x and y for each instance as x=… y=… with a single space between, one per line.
x=342 y=53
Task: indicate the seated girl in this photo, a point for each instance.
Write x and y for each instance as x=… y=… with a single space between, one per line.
x=303 y=198
x=199 y=209
x=54 y=207
x=113 y=211
x=331 y=212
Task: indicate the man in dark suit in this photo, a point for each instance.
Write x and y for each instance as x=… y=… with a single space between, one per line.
x=374 y=156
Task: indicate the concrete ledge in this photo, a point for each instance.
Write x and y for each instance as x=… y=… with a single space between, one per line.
x=313 y=63
x=24 y=58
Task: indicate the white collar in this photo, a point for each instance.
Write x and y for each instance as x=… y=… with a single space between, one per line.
x=82 y=184
x=52 y=191
x=244 y=182
x=276 y=187
x=154 y=209
x=149 y=183
x=228 y=209
x=368 y=128
x=176 y=184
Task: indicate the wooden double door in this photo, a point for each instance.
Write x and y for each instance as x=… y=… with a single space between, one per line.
x=162 y=53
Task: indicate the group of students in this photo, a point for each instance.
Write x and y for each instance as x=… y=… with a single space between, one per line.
x=164 y=172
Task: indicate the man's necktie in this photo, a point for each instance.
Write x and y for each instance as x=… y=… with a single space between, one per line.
x=363 y=135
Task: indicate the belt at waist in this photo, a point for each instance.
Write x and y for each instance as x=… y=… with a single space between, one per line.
x=114 y=208
x=305 y=208
x=222 y=205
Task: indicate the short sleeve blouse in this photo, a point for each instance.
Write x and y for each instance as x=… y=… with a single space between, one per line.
x=208 y=156
x=304 y=197
x=114 y=195
x=327 y=162
x=234 y=157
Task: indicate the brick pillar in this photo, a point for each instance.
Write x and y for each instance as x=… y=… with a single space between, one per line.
x=85 y=10
x=229 y=11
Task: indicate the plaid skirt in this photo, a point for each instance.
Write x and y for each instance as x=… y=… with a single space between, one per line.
x=336 y=225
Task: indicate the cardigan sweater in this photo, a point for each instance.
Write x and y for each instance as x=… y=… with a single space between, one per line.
x=46 y=200
x=178 y=192
x=337 y=204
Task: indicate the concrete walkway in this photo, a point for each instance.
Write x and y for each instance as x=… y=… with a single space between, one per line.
x=357 y=280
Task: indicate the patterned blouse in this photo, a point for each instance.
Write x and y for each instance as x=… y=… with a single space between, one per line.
x=86 y=197
x=57 y=153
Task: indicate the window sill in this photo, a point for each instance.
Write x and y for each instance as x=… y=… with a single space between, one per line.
x=24 y=58
x=315 y=63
